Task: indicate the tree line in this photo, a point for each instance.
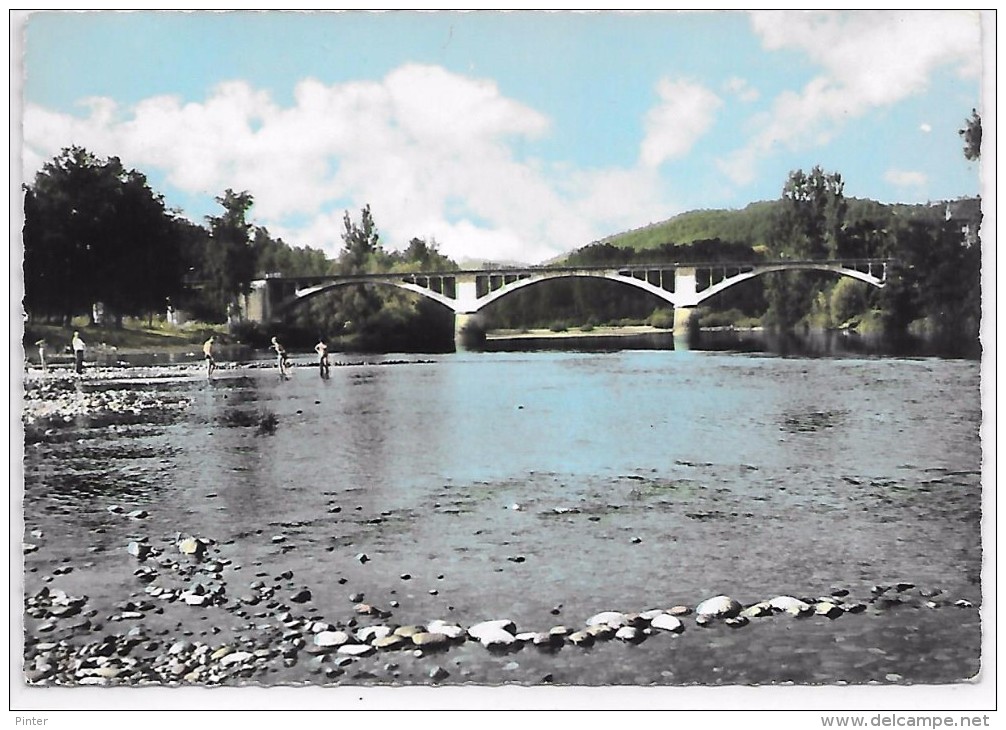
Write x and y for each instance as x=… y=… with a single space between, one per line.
x=100 y=242
x=95 y=232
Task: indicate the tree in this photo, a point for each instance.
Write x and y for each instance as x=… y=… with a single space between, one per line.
x=230 y=257
x=936 y=277
x=276 y=256
x=96 y=232
x=808 y=225
x=971 y=133
x=361 y=243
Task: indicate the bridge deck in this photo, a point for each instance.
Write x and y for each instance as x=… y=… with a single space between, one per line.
x=544 y=269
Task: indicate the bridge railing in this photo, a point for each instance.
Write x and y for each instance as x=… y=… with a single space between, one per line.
x=852 y=263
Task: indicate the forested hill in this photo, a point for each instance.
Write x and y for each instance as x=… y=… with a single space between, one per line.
x=753 y=224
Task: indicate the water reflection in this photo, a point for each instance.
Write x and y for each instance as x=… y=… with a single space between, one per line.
x=811 y=343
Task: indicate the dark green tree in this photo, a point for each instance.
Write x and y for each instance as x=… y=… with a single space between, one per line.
x=936 y=278
x=274 y=256
x=230 y=257
x=95 y=232
x=971 y=133
x=808 y=225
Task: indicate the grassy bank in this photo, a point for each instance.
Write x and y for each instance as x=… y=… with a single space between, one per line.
x=132 y=337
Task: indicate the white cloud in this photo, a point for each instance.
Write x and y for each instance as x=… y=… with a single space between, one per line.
x=868 y=59
x=906 y=178
x=686 y=111
x=741 y=89
x=431 y=152
x=926 y=127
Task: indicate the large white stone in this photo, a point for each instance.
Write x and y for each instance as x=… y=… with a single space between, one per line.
x=667 y=623
x=451 y=631
x=718 y=607
x=757 y=610
x=789 y=604
x=614 y=619
x=331 y=638
x=368 y=633
x=235 y=658
x=628 y=633
x=491 y=628
x=495 y=637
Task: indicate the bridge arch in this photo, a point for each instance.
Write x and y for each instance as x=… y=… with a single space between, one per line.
x=503 y=291
x=759 y=270
x=303 y=295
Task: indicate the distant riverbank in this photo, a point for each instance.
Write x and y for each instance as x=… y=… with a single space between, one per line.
x=536 y=334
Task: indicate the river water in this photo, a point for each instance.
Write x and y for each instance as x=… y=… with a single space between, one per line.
x=544 y=487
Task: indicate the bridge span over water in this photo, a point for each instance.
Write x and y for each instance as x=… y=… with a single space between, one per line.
x=466 y=292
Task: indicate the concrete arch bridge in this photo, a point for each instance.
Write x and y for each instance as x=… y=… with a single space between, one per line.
x=466 y=292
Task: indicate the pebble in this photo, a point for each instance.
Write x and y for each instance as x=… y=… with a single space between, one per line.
x=331 y=638
x=391 y=641
x=757 y=610
x=138 y=550
x=451 y=631
x=356 y=649
x=236 y=658
x=368 y=634
x=430 y=640
x=301 y=596
x=408 y=630
x=831 y=610
x=629 y=634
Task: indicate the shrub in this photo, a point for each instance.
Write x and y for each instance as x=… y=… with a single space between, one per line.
x=848 y=299
x=663 y=318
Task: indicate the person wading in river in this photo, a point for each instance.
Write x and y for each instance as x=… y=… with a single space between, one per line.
x=323 y=365
x=41 y=355
x=78 y=353
x=281 y=357
x=211 y=364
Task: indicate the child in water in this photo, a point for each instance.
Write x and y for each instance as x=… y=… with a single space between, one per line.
x=211 y=364
x=281 y=356
x=322 y=349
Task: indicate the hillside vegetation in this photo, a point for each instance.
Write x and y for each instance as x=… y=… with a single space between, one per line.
x=753 y=225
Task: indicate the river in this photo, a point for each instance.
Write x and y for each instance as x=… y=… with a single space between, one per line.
x=541 y=487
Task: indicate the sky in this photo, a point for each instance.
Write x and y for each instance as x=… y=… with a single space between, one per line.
x=509 y=137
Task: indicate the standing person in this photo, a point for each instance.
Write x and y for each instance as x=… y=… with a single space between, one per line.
x=78 y=353
x=323 y=365
x=41 y=355
x=211 y=364
x=281 y=356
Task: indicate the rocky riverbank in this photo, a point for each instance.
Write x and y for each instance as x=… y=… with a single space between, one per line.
x=195 y=620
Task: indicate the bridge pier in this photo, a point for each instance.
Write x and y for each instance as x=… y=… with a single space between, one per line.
x=684 y=320
x=468 y=331
x=686 y=328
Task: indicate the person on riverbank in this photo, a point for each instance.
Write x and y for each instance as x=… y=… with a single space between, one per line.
x=41 y=355
x=323 y=365
x=78 y=353
x=281 y=357
x=211 y=364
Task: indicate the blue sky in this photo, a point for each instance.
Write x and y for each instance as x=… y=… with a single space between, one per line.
x=504 y=136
